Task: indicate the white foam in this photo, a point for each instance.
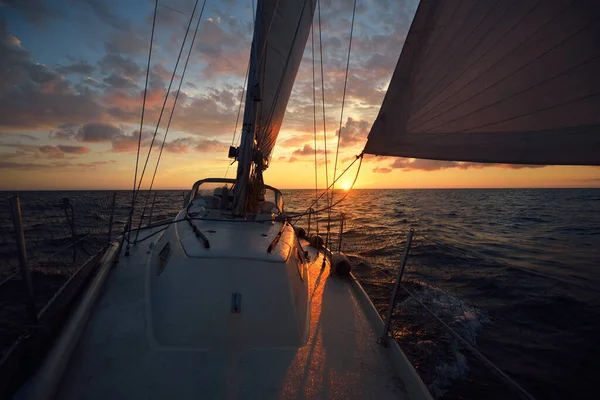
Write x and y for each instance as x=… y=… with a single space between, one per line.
x=464 y=319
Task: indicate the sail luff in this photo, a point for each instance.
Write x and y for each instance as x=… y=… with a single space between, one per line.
x=513 y=82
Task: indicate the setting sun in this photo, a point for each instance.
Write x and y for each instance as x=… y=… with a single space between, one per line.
x=346 y=185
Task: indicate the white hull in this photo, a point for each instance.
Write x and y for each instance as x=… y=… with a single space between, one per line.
x=300 y=332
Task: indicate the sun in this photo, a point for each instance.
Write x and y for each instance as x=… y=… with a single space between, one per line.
x=346 y=185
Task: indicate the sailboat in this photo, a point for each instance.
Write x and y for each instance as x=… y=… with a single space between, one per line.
x=228 y=301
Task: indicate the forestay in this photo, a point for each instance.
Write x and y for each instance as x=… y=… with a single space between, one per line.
x=507 y=81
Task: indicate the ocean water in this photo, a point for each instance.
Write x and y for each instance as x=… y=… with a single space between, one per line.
x=516 y=272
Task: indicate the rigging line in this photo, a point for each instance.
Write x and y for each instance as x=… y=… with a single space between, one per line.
x=337 y=150
x=419 y=112
x=173 y=108
x=360 y=156
x=137 y=159
x=561 y=13
x=312 y=39
x=468 y=345
x=337 y=202
x=324 y=121
x=167 y=95
x=172 y=9
x=237 y=119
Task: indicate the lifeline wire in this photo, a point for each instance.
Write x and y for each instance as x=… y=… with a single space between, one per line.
x=172 y=110
x=137 y=159
x=166 y=97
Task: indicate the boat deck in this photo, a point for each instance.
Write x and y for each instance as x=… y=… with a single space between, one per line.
x=341 y=359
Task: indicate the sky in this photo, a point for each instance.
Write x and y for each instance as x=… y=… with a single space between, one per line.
x=72 y=75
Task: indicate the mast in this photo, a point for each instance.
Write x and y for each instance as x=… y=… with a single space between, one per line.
x=247 y=143
x=280 y=35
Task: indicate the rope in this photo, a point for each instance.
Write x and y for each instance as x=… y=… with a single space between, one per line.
x=237 y=119
x=166 y=97
x=468 y=345
x=324 y=123
x=337 y=150
x=308 y=210
x=172 y=111
x=137 y=159
x=312 y=39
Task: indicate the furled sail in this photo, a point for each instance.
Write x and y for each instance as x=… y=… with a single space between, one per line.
x=280 y=36
x=507 y=81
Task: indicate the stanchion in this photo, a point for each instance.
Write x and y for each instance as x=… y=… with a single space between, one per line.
x=15 y=208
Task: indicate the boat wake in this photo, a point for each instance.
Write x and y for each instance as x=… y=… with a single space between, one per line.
x=436 y=354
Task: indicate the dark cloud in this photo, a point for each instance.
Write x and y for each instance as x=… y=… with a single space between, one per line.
x=125 y=66
x=73 y=149
x=98 y=132
x=47 y=151
x=29 y=166
x=225 y=46
x=180 y=145
x=354 y=132
x=60 y=150
x=33 y=95
x=119 y=82
x=436 y=165
x=210 y=146
x=79 y=67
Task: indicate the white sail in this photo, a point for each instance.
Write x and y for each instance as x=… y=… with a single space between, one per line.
x=280 y=37
x=280 y=34
x=507 y=81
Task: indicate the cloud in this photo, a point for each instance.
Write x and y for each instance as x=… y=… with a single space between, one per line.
x=98 y=132
x=295 y=140
x=382 y=170
x=178 y=146
x=29 y=166
x=210 y=146
x=307 y=150
x=225 y=46
x=436 y=165
x=354 y=132
x=116 y=63
x=33 y=96
x=119 y=82
x=47 y=151
x=73 y=149
x=79 y=67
